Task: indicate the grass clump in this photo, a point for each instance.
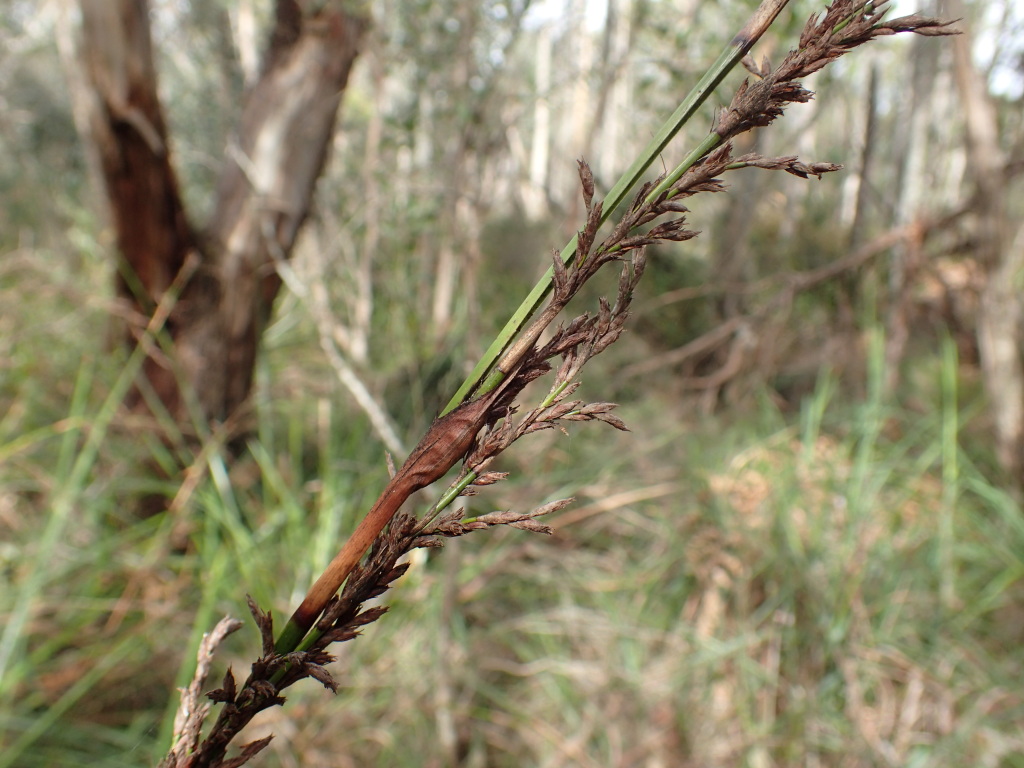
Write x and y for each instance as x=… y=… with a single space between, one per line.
x=766 y=589
x=787 y=608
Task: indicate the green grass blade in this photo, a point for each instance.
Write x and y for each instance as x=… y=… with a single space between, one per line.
x=40 y=725
x=75 y=474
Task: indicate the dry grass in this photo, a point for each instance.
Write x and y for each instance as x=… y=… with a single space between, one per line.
x=764 y=592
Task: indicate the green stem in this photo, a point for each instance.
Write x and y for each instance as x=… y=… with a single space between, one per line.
x=711 y=141
x=485 y=377
x=453 y=492
x=476 y=383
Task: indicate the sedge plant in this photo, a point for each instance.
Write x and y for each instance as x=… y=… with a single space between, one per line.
x=486 y=416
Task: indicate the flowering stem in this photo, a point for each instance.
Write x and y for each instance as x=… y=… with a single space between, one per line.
x=485 y=377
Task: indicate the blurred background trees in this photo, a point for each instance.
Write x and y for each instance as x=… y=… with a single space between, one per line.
x=206 y=295
x=461 y=126
x=825 y=387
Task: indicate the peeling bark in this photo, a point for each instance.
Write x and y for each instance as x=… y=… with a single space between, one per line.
x=263 y=196
x=127 y=127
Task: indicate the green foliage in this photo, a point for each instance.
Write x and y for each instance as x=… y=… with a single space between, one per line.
x=39 y=158
x=512 y=249
x=838 y=585
x=674 y=323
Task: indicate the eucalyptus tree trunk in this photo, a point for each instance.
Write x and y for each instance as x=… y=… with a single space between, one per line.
x=1001 y=255
x=217 y=282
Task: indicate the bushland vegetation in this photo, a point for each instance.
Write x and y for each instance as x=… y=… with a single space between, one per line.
x=806 y=550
